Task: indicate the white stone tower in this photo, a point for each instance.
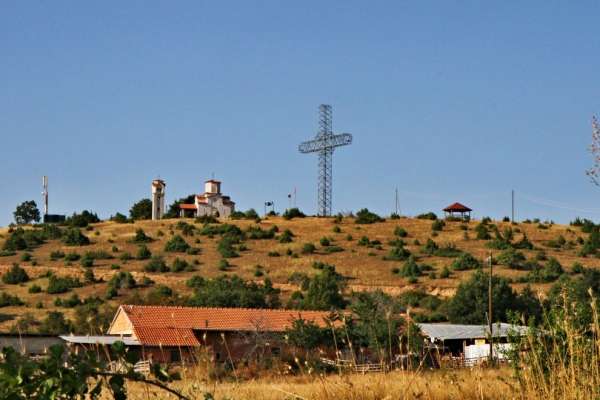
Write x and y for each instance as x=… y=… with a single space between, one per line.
x=158 y=198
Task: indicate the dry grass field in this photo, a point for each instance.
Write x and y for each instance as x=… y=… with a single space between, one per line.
x=365 y=267
x=489 y=384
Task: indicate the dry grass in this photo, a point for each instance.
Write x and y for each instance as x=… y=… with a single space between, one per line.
x=435 y=385
x=364 y=266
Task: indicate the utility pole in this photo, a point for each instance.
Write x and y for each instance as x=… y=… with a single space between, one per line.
x=490 y=305
x=397 y=208
x=512 y=193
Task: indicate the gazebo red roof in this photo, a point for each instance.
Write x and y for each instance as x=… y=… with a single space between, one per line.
x=457 y=207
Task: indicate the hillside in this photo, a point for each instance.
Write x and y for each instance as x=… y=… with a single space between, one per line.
x=362 y=262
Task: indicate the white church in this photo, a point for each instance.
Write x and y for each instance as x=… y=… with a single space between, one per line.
x=211 y=202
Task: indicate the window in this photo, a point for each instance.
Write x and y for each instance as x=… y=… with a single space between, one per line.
x=175 y=356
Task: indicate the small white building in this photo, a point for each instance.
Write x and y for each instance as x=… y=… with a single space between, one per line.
x=211 y=202
x=158 y=198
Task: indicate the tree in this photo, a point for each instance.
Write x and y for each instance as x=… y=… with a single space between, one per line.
x=15 y=275
x=173 y=211
x=324 y=291
x=27 y=212
x=141 y=210
x=233 y=291
x=470 y=303
x=55 y=324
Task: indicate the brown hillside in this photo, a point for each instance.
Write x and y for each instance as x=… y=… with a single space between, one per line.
x=364 y=266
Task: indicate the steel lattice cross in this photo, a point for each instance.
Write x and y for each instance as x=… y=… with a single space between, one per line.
x=324 y=144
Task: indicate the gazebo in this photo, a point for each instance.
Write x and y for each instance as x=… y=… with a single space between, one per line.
x=457 y=208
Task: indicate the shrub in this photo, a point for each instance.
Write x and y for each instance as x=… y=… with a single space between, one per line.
x=273 y=253
x=448 y=250
x=445 y=273
x=225 y=248
x=333 y=249
x=394 y=216
x=482 y=232
x=364 y=216
x=87 y=262
x=56 y=255
x=577 y=268
x=465 y=262
x=72 y=257
x=400 y=232
x=324 y=241
x=224 y=265
x=181 y=265
x=206 y=219
x=177 y=245
x=308 y=248
x=7 y=253
x=15 y=275
x=257 y=233
x=551 y=271
x=398 y=253
x=126 y=256
x=511 y=258
x=89 y=277
x=336 y=229
x=141 y=237
x=193 y=251
x=429 y=215
x=74 y=237
x=57 y=285
x=143 y=253
x=122 y=280
x=523 y=244
x=156 y=264
x=82 y=220
x=119 y=218
x=34 y=289
x=286 y=236
x=294 y=212
x=437 y=225
x=410 y=268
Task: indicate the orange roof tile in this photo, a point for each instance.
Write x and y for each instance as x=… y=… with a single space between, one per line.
x=165 y=336
x=187 y=206
x=218 y=319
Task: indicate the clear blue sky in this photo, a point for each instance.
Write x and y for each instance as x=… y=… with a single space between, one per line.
x=448 y=101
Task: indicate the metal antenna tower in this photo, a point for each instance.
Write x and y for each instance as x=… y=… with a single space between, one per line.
x=324 y=144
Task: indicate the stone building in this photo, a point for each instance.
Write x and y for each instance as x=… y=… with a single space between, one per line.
x=158 y=198
x=211 y=202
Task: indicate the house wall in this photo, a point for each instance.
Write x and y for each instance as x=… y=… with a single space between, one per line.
x=121 y=325
x=31 y=345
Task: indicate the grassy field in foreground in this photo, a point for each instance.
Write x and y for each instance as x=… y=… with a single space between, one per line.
x=465 y=384
x=364 y=266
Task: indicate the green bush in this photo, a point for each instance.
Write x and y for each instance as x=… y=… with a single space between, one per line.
x=15 y=275
x=74 y=237
x=57 y=285
x=336 y=229
x=156 y=264
x=364 y=216
x=465 y=262
x=226 y=249
x=180 y=265
x=141 y=237
x=143 y=253
x=87 y=262
x=445 y=273
x=273 y=253
x=9 y=300
x=437 y=225
x=176 y=245
x=34 y=289
x=398 y=253
x=308 y=248
x=410 y=268
x=56 y=255
x=400 y=232
x=430 y=215
x=324 y=241
x=333 y=249
x=291 y=213
x=482 y=232
x=82 y=220
x=257 y=233
x=286 y=236
x=224 y=265
x=512 y=258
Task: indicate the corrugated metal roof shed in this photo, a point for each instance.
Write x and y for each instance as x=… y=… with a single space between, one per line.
x=103 y=340
x=457 y=331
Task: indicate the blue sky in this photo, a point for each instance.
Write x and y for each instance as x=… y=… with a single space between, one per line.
x=448 y=101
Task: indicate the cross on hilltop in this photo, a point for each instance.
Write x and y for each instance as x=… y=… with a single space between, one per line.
x=324 y=144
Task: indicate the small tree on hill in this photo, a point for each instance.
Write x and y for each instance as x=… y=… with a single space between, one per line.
x=27 y=212
x=141 y=210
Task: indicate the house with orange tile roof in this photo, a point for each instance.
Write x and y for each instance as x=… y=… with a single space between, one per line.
x=211 y=202
x=169 y=334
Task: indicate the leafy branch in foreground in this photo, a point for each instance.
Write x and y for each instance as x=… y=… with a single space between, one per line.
x=74 y=376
